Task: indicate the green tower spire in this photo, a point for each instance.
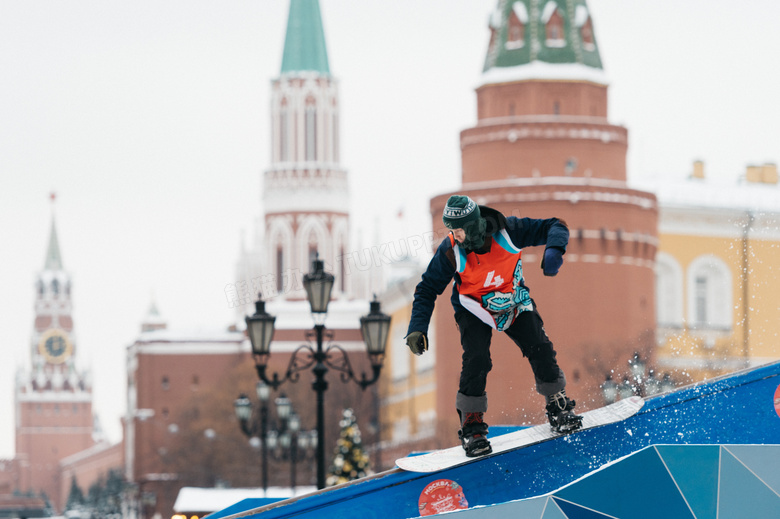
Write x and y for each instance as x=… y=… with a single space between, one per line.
x=555 y=32
x=304 y=45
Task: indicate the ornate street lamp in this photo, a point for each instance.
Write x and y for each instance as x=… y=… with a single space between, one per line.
x=609 y=389
x=625 y=390
x=288 y=437
x=283 y=407
x=318 y=285
x=320 y=359
x=667 y=384
x=261 y=327
x=638 y=369
x=374 y=328
x=652 y=384
x=243 y=408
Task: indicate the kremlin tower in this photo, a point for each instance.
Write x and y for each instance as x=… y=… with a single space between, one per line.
x=305 y=189
x=53 y=400
x=305 y=197
x=543 y=147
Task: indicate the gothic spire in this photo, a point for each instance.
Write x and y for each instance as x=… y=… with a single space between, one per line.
x=304 y=45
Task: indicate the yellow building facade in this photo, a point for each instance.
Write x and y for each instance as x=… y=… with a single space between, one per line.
x=717 y=283
x=408 y=386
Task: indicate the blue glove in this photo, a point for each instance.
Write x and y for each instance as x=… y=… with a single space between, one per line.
x=552 y=261
x=417 y=342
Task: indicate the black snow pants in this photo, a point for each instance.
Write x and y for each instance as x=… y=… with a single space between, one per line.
x=527 y=331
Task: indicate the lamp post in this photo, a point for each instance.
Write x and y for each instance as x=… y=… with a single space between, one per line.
x=639 y=381
x=374 y=328
x=243 y=409
x=289 y=438
x=285 y=437
x=610 y=390
x=638 y=369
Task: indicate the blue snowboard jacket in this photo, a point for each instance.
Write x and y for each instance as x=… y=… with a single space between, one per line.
x=524 y=232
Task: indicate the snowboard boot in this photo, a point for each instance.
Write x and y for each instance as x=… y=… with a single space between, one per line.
x=473 y=435
x=560 y=415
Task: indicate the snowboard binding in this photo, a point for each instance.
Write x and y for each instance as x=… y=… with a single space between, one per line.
x=473 y=436
x=560 y=415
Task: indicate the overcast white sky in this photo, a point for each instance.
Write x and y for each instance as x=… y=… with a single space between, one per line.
x=150 y=120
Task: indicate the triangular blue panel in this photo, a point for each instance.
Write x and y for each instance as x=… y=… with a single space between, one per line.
x=551 y=511
x=658 y=497
x=525 y=508
x=761 y=460
x=573 y=511
x=530 y=508
x=695 y=470
x=742 y=494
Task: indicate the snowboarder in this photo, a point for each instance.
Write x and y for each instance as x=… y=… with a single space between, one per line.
x=482 y=253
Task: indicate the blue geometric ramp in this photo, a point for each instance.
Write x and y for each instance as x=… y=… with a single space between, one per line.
x=742 y=494
x=551 y=510
x=694 y=468
x=701 y=451
x=613 y=491
x=692 y=481
x=752 y=456
x=573 y=511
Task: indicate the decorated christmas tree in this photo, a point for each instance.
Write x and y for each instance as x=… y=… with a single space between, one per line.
x=349 y=460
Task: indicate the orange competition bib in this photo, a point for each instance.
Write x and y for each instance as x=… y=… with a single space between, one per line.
x=491 y=284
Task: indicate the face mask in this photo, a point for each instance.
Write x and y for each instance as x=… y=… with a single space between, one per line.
x=475 y=234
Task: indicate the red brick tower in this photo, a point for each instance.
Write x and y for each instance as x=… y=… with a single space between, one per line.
x=54 y=400
x=543 y=147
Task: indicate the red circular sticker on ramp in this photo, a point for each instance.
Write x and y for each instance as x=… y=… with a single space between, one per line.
x=442 y=495
x=777 y=400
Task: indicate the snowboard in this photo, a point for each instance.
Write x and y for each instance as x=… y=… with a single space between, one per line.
x=447 y=458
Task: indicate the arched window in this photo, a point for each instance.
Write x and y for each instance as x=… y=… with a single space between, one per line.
x=553 y=24
x=312 y=247
x=311 y=129
x=313 y=238
x=710 y=293
x=515 y=36
x=284 y=144
x=279 y=269
x=586 y=33
x=668 y=291
x=342 y=272
x=278 y=256
x=335 y=139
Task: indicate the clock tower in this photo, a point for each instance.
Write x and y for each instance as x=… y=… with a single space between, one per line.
x=53 y=399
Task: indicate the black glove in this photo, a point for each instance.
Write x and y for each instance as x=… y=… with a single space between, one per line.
x=552 y=261
x=417 y=342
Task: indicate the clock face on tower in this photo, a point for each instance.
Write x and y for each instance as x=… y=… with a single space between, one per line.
x=55 y=346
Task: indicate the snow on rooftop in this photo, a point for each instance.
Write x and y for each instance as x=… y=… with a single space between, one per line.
x=580 y=15
x=521 y=12
x=494 y=22
x=543 y=70
x=190 y=335
x=714 y=193
x=547 y=12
